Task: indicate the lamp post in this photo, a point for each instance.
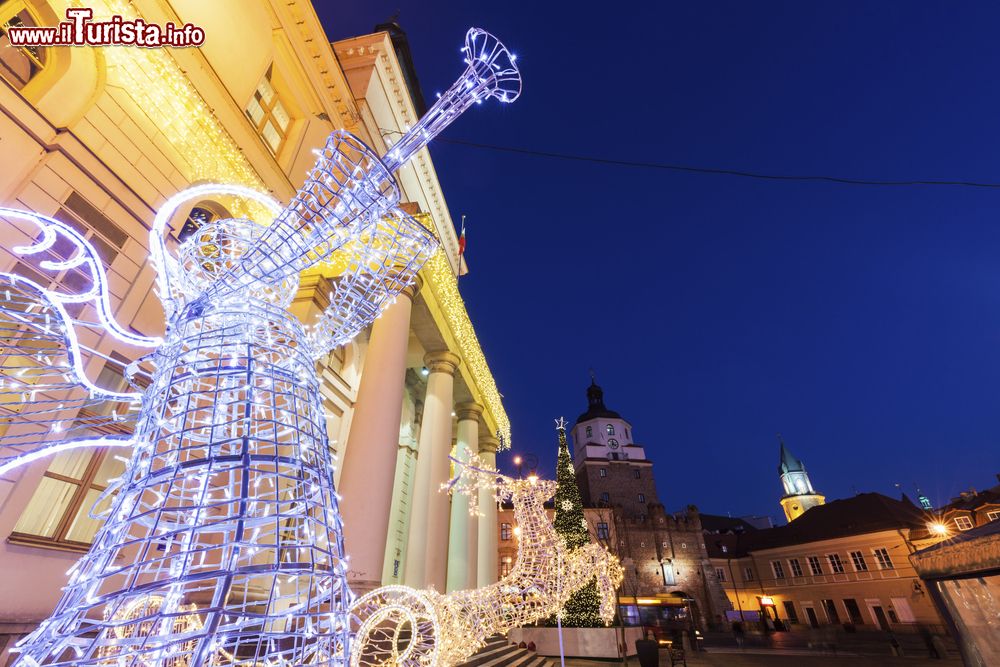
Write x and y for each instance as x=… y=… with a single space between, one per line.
x=517 y=462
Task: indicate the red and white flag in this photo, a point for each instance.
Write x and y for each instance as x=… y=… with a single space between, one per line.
x=463 y=268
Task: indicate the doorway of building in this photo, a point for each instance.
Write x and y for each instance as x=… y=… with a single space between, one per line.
x=811 y=615
x=880 y=617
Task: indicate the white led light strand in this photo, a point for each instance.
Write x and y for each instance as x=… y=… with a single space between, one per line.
x=85 y=255
x=223 y=541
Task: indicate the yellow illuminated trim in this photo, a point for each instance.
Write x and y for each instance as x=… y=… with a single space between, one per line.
x=442 y=282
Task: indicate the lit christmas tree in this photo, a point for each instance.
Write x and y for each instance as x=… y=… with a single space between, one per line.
x=582 y=609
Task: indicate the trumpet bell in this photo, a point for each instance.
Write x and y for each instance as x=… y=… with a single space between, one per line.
x=493 y=65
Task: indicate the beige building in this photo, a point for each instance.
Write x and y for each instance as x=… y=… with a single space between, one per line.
x=100 y=138
x=846 y=562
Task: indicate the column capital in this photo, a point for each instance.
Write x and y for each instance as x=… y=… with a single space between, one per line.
x=468 y=411
x=412 y=289
x=488 y=444
x=442 y=362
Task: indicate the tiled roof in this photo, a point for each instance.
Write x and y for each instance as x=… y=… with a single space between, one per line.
x=860 y=514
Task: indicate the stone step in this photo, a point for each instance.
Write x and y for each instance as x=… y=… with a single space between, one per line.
x=498 y=652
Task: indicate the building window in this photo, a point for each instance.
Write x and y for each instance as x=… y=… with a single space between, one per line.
x=993 y=516
x=748 y=574
x=604 y=498
x=796 y=568
x=201 y=214
x=266 y=111
x=18 y=64
x=831 y=611
x=642 y=497
x=635 y=474
x=58 y=513
x=778 y=569
x=858 y=559
x=506 y=564
x=963 y=522
x=853 y=611
x=883 y=559
x=836 y=565
x=720 y=574
x=590 y=431
x=603 y=472
x=505 y=531
x=814 y=565
x=667 y=570
x=610 y=429
x=790 y=613
x=602 y=531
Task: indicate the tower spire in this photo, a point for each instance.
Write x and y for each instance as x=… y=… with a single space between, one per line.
x=799 y=493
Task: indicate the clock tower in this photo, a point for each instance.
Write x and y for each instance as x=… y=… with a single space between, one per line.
x=611 y=468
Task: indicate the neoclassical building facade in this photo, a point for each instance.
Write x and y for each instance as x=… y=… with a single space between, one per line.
x=101 y=138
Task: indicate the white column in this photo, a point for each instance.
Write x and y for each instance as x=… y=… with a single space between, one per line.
x=488 y=568
x=369 y=463
x=462 y=541
x=427 y=551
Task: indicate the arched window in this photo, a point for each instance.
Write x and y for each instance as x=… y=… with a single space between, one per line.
x=19 y=64
x=611 y=429
x=590 y=431
x=202 y=213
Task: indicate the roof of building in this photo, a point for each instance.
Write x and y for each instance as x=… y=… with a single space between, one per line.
x=595 y=405
x=718 y=524
x=401 y=45
x=860 y=514
x=974 y=500
x=787 y=462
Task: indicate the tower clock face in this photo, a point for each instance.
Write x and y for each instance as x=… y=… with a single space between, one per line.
x=613 y=444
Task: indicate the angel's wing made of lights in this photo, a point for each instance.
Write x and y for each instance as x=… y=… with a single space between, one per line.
x=47 y=402
x=381 y=262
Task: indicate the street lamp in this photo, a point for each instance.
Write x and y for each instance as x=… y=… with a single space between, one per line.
x=517 y=461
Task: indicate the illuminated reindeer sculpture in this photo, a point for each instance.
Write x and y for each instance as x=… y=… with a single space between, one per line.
x=221 y=542
x=398 y=625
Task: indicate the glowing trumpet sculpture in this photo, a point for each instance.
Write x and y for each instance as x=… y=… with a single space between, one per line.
x=397 y=625
x=221 y=542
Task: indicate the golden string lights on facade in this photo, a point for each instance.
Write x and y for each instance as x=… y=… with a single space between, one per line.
x=160 y=88
x=441 y=280
x=402 y=626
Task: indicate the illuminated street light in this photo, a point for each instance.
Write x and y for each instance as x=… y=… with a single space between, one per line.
x=938 y=528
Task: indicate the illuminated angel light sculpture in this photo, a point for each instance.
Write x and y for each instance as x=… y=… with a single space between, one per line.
x=397 y=625
x=222 y=543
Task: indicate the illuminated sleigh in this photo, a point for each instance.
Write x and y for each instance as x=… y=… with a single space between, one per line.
x=222 y=542
x=397 y=625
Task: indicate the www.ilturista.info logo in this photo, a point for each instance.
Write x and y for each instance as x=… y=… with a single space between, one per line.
x=79 y=30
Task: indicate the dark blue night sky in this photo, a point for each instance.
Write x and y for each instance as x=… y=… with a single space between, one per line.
x=862 y=323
